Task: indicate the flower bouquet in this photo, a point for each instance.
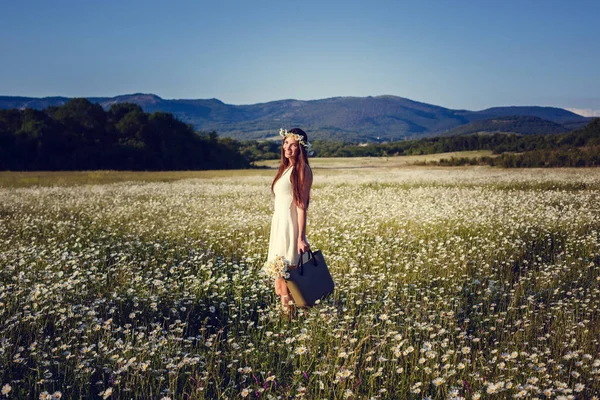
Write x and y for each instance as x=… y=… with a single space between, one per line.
x=278 y=267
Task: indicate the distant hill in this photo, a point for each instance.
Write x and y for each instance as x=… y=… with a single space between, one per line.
x=378 y=118
x=523 y=125
x=550 y=113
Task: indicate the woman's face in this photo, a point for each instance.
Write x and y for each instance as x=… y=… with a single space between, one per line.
x=290 y=148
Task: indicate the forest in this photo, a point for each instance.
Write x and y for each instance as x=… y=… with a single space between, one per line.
x=578 y=148
x=81 y=135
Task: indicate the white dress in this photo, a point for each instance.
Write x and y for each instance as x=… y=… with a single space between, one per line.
x=283 y=240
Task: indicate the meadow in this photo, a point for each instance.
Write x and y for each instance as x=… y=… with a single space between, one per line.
x=451 y=283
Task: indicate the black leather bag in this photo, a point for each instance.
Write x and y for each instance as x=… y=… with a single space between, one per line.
x=310 y=280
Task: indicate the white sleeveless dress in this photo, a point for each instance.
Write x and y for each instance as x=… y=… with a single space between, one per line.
x=283 y=240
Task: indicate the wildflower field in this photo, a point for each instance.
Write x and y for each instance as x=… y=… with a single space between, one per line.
x=450 y=283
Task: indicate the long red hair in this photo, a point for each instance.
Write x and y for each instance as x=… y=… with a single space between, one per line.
x=298 y=172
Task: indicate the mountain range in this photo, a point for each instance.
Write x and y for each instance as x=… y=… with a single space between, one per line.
x=357 y=119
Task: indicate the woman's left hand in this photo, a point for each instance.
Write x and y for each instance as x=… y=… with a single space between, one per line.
x=303 y=246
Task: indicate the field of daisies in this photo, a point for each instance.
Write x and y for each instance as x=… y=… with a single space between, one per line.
x=450 y=284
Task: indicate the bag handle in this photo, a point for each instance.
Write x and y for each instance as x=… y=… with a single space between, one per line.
x=301 y=263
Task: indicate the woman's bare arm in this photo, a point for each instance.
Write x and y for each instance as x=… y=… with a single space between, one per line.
x=302 y=210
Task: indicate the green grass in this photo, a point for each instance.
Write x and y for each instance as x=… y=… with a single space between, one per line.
x=70 y=178
x=380 y=162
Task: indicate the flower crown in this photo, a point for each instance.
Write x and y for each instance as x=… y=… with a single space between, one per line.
x=299 y=138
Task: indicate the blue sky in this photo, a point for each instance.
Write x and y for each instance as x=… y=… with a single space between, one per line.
x=453 y=53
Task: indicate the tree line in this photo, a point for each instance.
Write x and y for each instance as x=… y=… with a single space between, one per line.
x=498 y=143
x=81 y=135
x=578 y=148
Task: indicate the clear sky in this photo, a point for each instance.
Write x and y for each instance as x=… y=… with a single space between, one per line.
x=453 y=53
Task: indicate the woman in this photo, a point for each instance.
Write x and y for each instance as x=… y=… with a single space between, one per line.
x=291 y=188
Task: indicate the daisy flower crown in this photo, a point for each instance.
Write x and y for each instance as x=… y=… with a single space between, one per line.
x=284 y=133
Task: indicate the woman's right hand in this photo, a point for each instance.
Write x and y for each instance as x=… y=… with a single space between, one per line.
x=303 y=246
